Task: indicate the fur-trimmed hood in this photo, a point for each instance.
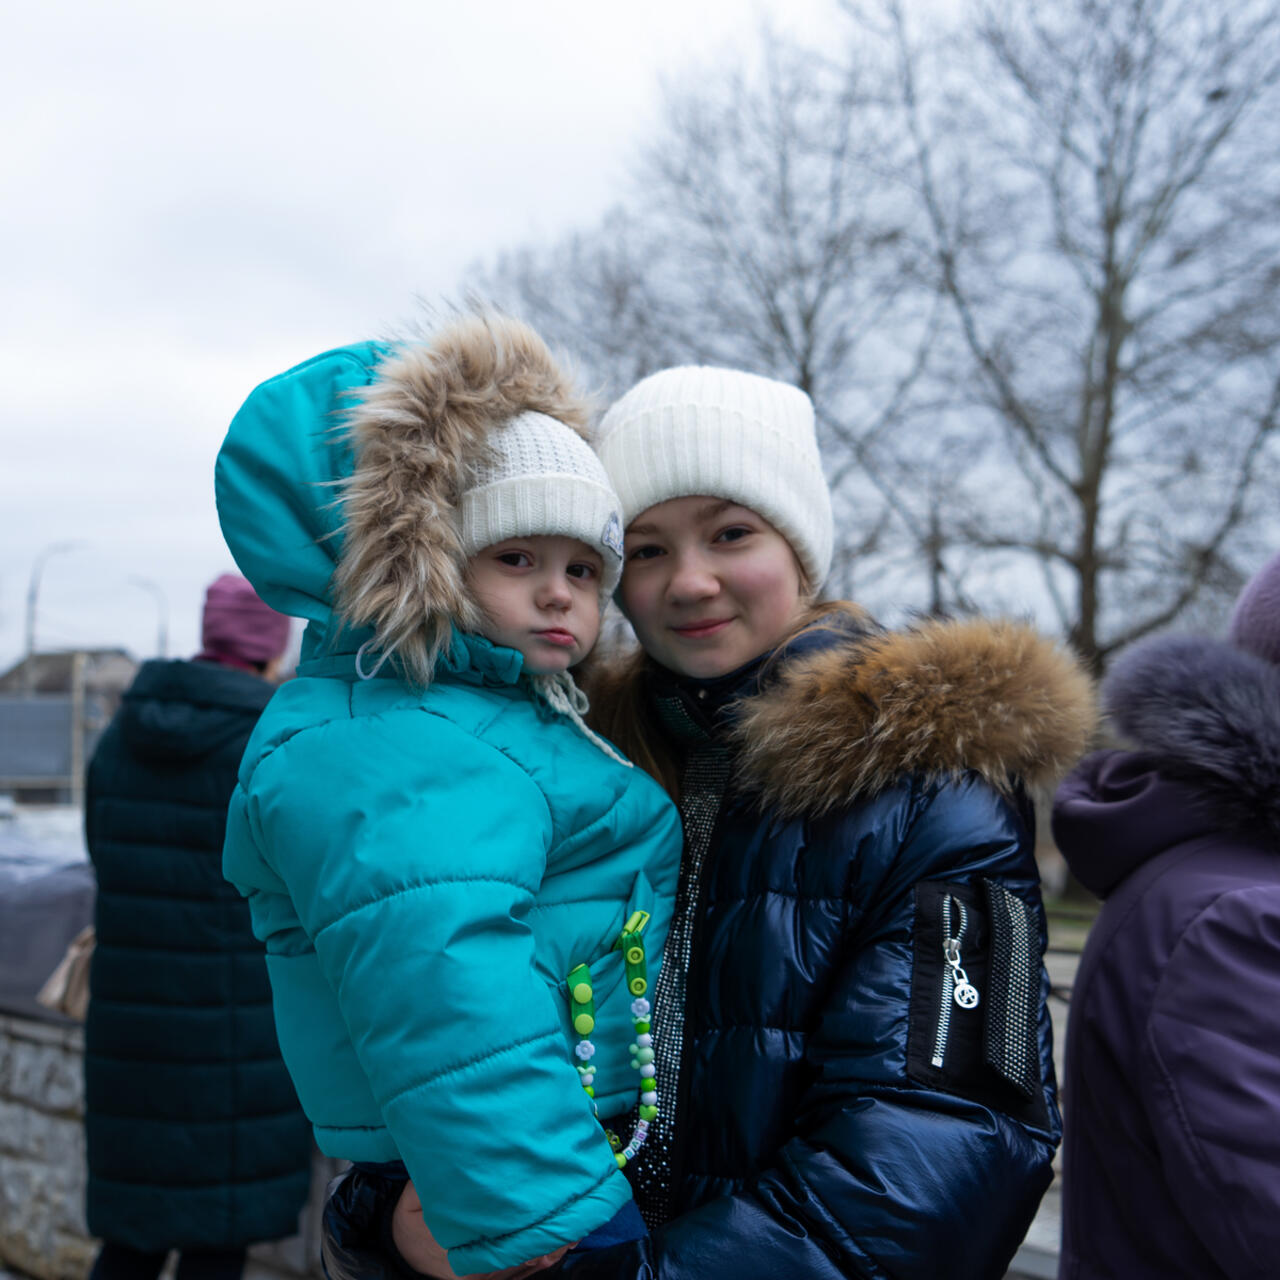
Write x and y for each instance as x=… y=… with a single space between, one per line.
x=1210 y=714
x=849 y=709
x=339 y=480
x=417 y=431
x=938 y=700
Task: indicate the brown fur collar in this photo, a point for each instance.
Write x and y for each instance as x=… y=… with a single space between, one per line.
x=935 y=701
x=417 y=429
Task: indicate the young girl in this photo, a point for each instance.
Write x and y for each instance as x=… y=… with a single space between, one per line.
x=462 y=889
x=854 y=1051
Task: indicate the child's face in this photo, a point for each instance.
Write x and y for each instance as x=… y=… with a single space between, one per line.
x=541 y=597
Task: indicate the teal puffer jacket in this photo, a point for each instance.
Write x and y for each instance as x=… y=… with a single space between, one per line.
x=425 y=868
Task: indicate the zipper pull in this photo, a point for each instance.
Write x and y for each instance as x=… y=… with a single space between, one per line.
x=635 y=924
x=964 y=993
x=631 y=945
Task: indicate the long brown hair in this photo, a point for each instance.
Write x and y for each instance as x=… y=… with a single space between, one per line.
x=622 y=712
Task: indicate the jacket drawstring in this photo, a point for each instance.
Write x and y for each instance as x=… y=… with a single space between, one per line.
x=369 y=675
x=561 y=694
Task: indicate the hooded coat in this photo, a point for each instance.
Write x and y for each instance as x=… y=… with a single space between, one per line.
x=195 y=1137
x=838 y=1113
x=428 y=850
x=1172 y=1157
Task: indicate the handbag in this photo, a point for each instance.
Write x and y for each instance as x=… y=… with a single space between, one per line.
x=66 y=990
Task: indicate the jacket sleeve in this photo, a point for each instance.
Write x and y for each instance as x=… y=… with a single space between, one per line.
x=1214 y=1074
x=411 y=859
x=885 y=1176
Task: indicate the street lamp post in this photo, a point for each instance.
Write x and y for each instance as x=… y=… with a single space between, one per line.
x=162 y=613
x=33 y=596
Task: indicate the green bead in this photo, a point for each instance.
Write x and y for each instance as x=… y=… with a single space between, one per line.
x=583 y=1024
x=648 y=1113
x=645 y=1055
x=589 y=1090
x=621 y=1159
x=582 y=993
x=641 y=1027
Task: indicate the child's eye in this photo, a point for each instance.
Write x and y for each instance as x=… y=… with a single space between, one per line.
x=516 y=559
x=735 y=533
x=646 y=552
x=584 y=571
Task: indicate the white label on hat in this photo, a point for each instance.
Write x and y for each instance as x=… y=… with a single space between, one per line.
x=612 y=535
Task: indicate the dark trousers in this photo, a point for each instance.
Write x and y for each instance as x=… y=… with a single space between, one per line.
x=119 y=1262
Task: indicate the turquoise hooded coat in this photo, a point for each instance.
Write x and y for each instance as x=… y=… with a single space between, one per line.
x=427 y=863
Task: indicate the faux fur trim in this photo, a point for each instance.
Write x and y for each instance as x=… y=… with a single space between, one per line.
x=936 y=701
x=1210 y=713
x=417 y=429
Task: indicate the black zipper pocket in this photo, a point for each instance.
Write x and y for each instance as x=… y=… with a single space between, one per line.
x=973 y=1027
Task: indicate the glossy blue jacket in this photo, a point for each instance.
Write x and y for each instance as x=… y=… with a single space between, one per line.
x=839 y=1112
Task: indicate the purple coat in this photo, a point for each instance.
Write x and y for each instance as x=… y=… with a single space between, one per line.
x=1172 y=1090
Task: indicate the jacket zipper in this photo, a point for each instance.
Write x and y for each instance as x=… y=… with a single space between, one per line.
x=956 y=987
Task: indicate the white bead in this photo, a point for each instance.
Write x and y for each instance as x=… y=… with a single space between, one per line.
x=647 y=1070
x=645 y=1041
x=649 y=1099
x=585 y=1049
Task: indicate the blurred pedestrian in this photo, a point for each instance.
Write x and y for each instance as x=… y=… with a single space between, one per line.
x=195 y=1138
x=1172 y=1091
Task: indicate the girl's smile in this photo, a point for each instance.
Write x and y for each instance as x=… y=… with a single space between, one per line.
x=708 y=585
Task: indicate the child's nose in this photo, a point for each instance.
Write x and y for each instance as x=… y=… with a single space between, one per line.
x=554 y=593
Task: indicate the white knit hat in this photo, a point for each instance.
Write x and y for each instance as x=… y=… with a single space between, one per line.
x=725 y=434
x=542 y=478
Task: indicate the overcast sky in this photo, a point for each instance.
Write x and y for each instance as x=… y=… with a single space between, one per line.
x=195 y=197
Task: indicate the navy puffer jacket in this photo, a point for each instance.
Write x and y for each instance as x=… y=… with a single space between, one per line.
x=839 y=1106
x=195 y=1136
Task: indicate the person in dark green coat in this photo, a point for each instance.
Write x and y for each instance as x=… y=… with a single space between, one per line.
x=196 y=1140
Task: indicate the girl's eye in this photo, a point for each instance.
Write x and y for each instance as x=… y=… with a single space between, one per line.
x=646 y=552
x=735 y=533
x=516 y=559
x=583 y=572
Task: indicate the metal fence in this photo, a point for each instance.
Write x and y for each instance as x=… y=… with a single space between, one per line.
x=46 y=740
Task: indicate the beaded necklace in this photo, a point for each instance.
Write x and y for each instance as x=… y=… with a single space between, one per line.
x=583 y=1012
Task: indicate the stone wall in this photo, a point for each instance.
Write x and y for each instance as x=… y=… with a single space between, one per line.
x=42 y=1174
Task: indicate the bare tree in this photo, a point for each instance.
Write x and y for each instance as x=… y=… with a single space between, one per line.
x=1101 y=187
x=767 y=231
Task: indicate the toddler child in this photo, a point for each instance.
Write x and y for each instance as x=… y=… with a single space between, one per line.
x=462 y=890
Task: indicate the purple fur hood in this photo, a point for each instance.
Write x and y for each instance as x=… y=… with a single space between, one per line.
x=1204 y=718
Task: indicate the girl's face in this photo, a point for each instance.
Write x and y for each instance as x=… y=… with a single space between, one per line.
x=708 y=585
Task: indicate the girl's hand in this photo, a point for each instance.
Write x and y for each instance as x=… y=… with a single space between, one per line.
x=418 y=1247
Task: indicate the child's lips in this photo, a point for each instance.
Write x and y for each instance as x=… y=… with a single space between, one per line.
x=554 y=635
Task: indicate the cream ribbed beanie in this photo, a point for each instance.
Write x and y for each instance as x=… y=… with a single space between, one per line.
x=542 y=478
x=725 y=434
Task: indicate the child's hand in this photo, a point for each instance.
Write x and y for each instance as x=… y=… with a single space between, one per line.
x=418 y=1247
